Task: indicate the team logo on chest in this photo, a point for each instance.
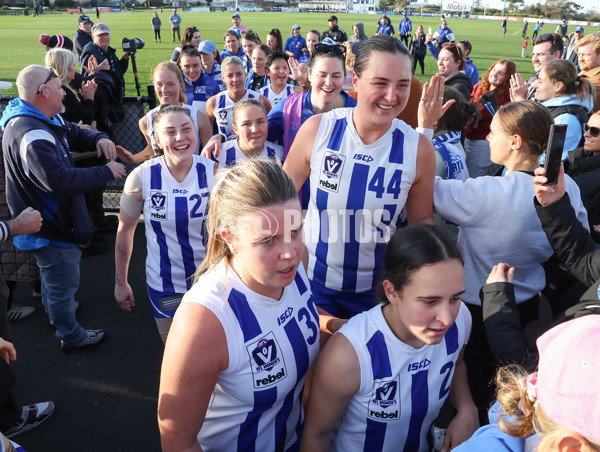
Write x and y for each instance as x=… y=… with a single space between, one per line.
x=222 y=115
x=158 y=205
x=266 y=361
x=331 y=170
x=384 y=404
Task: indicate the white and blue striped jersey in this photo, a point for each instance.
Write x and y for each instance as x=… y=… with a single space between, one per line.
x=402 y=389
x=231 y=154
x=256 y=404
x=357 y=197
x=224 y=111
x=174 y=215
x=273 y=97
x=150 y=126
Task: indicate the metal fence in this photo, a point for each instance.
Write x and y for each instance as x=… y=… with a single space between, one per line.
x=127 y=134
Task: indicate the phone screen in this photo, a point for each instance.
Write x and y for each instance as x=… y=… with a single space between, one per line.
x=556 y=142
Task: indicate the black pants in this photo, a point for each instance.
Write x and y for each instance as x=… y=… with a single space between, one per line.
x=404 y=39
x=9 y=411
x=421 y=59
x=157 y=34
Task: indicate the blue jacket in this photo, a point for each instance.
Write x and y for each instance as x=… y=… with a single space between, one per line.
x=241 y=55
x=40 y=172
x=574 y=128
x=405 y=26
x=295 y=45
x=472 y=71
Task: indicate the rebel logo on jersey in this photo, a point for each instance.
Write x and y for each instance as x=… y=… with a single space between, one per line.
x=385 y=401
x=268 y=365
x=333 y=165
x=158 y=205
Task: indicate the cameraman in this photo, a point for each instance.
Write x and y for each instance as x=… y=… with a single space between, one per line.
x=107 y=71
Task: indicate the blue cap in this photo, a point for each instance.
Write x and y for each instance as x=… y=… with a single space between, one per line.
x=579 y=28
x=444 y=22
x=236 y=15
x=295 y=26
x=207 y=47
x=328 y=41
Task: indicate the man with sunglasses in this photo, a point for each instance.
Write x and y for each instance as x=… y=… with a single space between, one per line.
x=40 y=173
x=334 y=32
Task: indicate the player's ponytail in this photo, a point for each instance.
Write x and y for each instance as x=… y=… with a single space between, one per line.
x=241 y=189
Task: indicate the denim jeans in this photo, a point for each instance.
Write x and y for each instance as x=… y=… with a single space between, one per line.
x=59 y=269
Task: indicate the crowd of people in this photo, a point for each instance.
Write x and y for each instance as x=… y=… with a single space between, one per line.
x=370 y=254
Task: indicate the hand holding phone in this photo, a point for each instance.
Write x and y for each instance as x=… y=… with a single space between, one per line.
x=554 y=151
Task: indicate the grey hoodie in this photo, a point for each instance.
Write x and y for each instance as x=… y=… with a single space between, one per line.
x=361 y=33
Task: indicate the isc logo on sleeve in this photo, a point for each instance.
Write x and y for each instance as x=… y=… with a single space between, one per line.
x=384 y=404
x=331 y=170
x=266 y=361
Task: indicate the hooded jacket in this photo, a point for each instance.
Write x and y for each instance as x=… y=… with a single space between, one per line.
x=40 y=173
x=361 y=33
x=574 y=127
x=462 y=83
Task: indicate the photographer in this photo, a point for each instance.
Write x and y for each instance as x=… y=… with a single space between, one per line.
x=108 y=75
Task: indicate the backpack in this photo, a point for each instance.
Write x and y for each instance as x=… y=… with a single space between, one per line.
x=576 y=110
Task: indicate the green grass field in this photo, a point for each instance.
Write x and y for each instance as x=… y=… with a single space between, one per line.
x=20 y=45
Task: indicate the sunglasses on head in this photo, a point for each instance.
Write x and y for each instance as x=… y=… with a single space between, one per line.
x=594 y=131
x=53 y=74
x=449 y=45
x=336 y=49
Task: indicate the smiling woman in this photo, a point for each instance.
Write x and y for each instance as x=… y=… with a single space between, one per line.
x=364 y=167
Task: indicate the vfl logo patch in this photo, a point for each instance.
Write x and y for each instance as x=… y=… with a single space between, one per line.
x=331 y=170
x=266 y=361
x=384 y=404
x=158 y=205
x=222 y=115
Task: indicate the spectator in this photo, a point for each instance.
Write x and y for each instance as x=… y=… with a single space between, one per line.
x=204 y=356
x=562 y=29
x=277 y=70
x=470 y=68
x=547 y=47
x=524 y=49
x=56 y=42
x=191 y=37
x=219 y=107
x=174 y=217
x=334 y=32
x=504 y=28
x=249 y=42
x=295 y=45
x=175 y=21
x=257 y=76
x=14 y=419
x=450 y=63
x=571 y=53
x=156 y=26
x=199 y=87
x=568 y=97
x=443 y=35
x=518 y=136
x=358 y=33
x=525 y=26
x=233 y=48
x=405 y=29
x=275 y=41
x=536 y=29
x=83 y=35
x=418 y=49
x=111 y=83
x=497 y=82
x=386 y=29
x=382 y=19
x=211 y=62
x=584 y=168
x=588 y=54
x=251 y=127
x=237 y=27
x=40 y=173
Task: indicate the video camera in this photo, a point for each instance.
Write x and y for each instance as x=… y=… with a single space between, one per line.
x=132 y=45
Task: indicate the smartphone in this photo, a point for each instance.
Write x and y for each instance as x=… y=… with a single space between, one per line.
x=490 y=98
x=556 y=142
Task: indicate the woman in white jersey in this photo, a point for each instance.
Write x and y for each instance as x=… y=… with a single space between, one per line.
x=401 y=359
x=219 y=107
x=169 y=86
x=247 y=332
x=173 y=191
x=251 y=127
x=368 y=173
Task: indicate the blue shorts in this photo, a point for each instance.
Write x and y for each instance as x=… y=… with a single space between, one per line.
x=342 y=304
x=155 y=296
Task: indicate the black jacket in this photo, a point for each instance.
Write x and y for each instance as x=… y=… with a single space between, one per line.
x=119 y=67
x=462 y=83
x=584 y=168
x=81 y=39
x=337 y=34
